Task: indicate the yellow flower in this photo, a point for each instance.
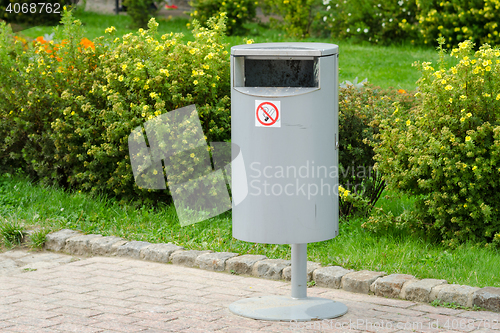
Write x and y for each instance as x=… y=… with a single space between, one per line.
x=195 y=82
x=217 y=77
x=465 y=205
x=443 y=81
x=192 y=155
x=463 y=97
x=213 y=85
x=408 y=123
x=110 y=30
x=124 y=66
x=206 y=66
x=448 y=87
x=192 y=51
x=194 y=73
x=454 y=70
x=250 y=41
x=120 y=78
x=462 y=119
x=467 y=138
x=153 y=94
x=396 y=120
x=72 y=113
x=474 y=167
x=486 y=95
x=469 y=115
x=146 y=87
x=498 y=97
x=145 y=107
x=451 y=100
x=488 y=68
x=473 y=61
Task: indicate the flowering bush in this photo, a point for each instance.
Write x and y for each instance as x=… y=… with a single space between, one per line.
x=238 y=12
x=361 y=184
x=447 y=152
x=69 y=108
x=457 y=21
x=374 y=20
x=297 y=15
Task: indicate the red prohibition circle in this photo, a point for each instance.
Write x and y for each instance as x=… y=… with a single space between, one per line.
x=272 y=105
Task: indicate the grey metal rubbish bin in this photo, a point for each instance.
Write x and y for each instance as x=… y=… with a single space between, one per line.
x=284 y=118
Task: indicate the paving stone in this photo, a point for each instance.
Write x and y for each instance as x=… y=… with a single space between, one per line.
x=57 y=241
x=13 y=254
x=360 y=282
x=132 y=249
x=420 y=290
x=80 y=245
x=270 y=268
x=488 y=298
x=106 y=246
x=390 y=285
x=243 y=264
x=311 y=266
x=453 y=293
x=39 y=265
x=214 y=261
x=186 y=258
x=159 y=252
x=7 y=263
x=330 y=276
x=39 y=256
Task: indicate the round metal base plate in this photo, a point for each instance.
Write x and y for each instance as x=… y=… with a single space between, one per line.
x=286 y=308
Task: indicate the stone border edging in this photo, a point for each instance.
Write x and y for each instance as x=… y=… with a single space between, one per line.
x=400 y=286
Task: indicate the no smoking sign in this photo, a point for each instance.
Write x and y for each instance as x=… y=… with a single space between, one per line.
x=267 y=114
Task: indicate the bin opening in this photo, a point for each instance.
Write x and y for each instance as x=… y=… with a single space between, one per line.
x=281 y=73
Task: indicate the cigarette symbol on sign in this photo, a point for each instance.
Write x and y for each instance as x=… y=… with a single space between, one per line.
x=267 y=113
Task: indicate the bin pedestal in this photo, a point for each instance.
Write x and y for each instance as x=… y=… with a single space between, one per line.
x=298 y=307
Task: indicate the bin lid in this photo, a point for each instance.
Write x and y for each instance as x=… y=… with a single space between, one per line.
x=295 y=49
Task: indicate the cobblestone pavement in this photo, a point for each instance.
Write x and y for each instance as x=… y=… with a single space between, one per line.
x=52 y=292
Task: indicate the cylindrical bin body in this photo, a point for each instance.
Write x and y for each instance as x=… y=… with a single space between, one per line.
x=284 y=118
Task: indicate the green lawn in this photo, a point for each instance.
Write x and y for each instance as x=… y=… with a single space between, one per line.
x=383 y=66
x=393 y=252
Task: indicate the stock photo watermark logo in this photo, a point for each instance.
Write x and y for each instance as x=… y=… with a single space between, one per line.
x=173 y=146
x=306 y=180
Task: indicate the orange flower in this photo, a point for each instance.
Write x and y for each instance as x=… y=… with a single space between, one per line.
x=402 y=91
x=40 y=40
x=87 y=43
